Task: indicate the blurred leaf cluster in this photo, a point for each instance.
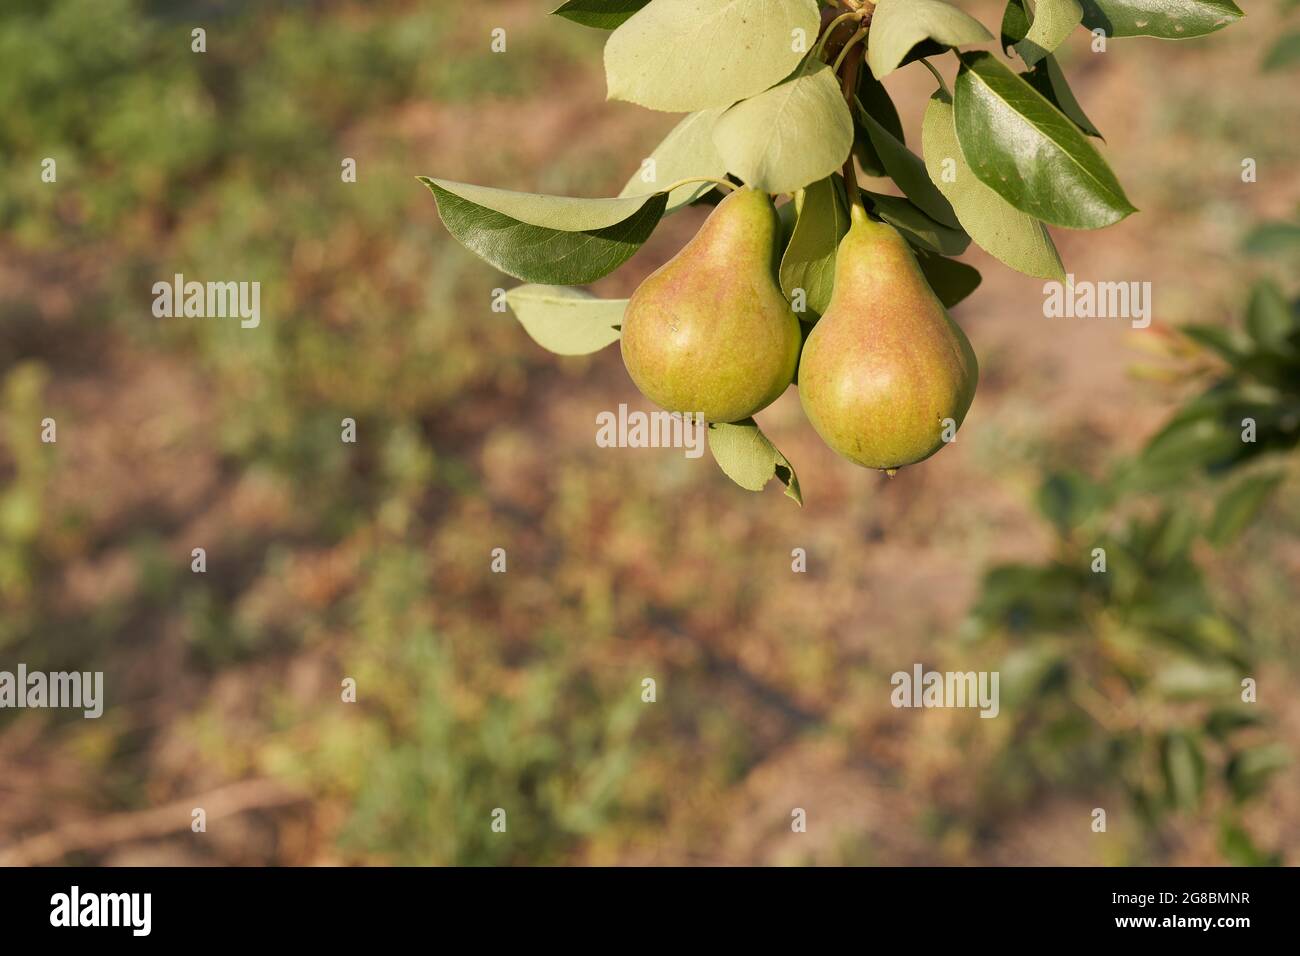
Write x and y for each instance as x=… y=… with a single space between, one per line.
x=1121 y=658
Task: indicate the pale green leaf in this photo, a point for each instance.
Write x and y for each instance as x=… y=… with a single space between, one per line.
x=687 y=152
x=899 y=25
x=809 y=259
x=566 y=321
x=1006 y=233
x=687 y=55
x=789 y=136
x=1052 y=23
x=749 y=458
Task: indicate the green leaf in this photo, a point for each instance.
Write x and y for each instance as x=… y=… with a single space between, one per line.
x=1229 y=344
x=1239 y=506
x=555 y=240
x=789 y=136
x=951 y=281
x=1052 y=23
x=1193 y=439
x=916 y=226
x=1249 y=770
x=566 y=321
x=1029 y=152
x=1187 y=679
x=1284 y=53
x=1239 y=849
x=899 y=25
x=687 y=55
x=1014 y=237
x=1066 y=499
x=809 y=259
x=1273 y=238
x=1015 y=24
x=1269 y=319
x=1223 y=722
x=601 y=14
x=1184 y=769
x=687 y=152
x=909 y=173
x=875 y=100
x=1165 y=19
x=748 y=458
x=1045 y=76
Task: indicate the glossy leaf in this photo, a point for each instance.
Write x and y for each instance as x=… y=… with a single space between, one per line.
x=566 y=321
x=1029 y=152
x=1014 y=237
x=1166 y=19
x=899 y=25
x=749 y=458
x=916 y=226
x=687 y=55
x=909 y=173
x=789 y=136
x=553 y=240
x=687 y=152
x=876 y=101
x=809 y=259
x=1045 y=75
x=601 y=14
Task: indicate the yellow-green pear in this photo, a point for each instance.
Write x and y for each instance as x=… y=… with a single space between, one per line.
x=710 y=332
x=886 y=377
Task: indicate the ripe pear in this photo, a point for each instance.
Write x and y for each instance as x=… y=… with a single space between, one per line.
x=884 y=367
x=710 y=332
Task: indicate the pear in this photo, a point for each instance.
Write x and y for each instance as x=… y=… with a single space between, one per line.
x=885 y=367
x=710 y=331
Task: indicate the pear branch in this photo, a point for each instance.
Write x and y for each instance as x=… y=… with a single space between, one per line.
x=850 y=95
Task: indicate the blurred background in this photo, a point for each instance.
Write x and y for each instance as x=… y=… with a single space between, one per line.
x=523 y=690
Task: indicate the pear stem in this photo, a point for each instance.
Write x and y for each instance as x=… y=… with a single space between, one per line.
x=830 y=28
x=853 y=41
x=697 y=179
x=929 y=66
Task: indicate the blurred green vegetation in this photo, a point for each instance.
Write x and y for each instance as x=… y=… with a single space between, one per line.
x=1122 y=661
x=370 y=561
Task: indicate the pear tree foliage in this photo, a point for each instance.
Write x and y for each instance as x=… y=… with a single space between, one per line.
x=785 y=96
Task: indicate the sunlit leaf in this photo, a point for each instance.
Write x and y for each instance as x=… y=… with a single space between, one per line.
x=749 y=458
x=686 y=55
x=1029 y=152
x=564 y=320
x=1014 y=237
